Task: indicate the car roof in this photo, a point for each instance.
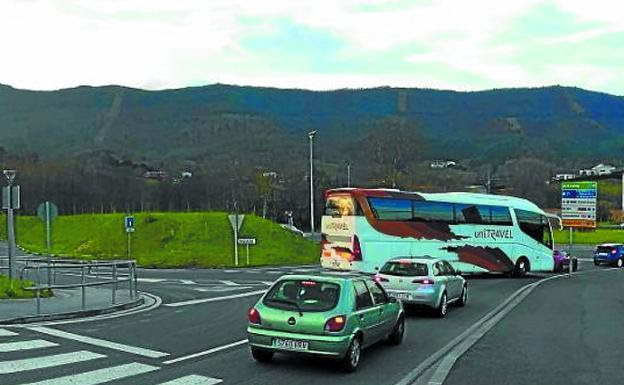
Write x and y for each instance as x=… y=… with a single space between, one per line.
x=327 y=276
x=421 y=259
x=610 y=244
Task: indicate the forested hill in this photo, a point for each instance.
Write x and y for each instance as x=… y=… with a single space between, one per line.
x=217 y=123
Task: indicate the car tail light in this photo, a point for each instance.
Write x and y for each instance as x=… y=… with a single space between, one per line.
x=424 y=281
x=380 y=279
x=335 y=324
x=613 y=251
x=356 y=248
x=254 y=316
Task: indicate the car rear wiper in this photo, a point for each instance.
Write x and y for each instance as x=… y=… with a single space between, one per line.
x=288 y=302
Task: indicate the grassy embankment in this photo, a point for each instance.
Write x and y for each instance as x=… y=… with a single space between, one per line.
x=13 y=290
x=168 y=239
x=594 y=237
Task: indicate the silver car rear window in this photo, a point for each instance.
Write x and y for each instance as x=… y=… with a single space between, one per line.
x=405 y=268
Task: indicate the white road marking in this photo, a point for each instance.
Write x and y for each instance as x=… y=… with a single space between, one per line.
x=193 y=380
x=229 y=283
x=7 y=333
x=207 y=300
x=25 y=345
x=268 y=283
x=231 y=271
x=100 y=376
x=206 y=352
x=187 y=282
x=99 y=342
x=220 y=289
x=47 y=361
x=151 y=280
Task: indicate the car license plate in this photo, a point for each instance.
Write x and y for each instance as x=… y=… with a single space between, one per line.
x=290 y=344
x=403 y=296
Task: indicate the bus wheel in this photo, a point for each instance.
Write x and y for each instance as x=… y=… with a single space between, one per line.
x=522 y=267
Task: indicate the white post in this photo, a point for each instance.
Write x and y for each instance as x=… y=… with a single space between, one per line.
x=247 y=254
x=236 y=239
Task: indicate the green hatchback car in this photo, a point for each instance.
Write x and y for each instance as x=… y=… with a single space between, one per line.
x=326 y=314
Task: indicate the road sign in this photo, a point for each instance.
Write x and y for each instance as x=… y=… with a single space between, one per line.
x=14 y=197
x=578 y=204
x=233 y=221
x=48 y=213
x=129 y=223
x=247 y=241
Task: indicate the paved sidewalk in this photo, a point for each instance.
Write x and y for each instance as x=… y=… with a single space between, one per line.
x=64 y=301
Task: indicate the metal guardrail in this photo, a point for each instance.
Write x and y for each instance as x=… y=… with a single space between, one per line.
x=120 y=272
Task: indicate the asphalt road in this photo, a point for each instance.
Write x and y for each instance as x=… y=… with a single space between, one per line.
x=183 y=341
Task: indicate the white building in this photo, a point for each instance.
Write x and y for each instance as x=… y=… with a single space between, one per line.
x=599 y=169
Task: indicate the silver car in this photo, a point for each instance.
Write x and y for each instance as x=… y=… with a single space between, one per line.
x=424 y=281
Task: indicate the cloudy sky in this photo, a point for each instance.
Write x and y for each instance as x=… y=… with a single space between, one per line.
x=461 y=44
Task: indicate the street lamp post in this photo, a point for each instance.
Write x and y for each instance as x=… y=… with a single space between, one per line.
x=10 y=176
x=311 y=137
x=348 y=174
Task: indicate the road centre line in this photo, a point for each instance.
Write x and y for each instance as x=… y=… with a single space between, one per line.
x=99 y=342
x=215 y=299
x=205 y=352
x=43 y=362
x=100 y=376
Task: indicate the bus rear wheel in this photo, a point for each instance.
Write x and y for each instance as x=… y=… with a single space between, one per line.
x=522 y=267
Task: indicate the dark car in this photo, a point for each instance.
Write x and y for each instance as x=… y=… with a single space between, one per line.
x=611 y=253
x=562 y=261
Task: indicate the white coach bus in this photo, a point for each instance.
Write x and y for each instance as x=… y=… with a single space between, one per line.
x=364 y=228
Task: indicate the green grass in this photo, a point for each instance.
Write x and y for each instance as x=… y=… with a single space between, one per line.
x=167 y=239
x=11 y=289
x=591 y=237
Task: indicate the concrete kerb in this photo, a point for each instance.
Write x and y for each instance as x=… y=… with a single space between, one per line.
x=75 y=314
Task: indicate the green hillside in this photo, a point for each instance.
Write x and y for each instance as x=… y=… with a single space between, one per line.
x=168 y=239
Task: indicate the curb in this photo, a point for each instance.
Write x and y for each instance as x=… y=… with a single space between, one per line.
x=73 y=315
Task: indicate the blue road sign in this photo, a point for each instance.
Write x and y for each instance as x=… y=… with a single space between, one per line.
x=129 y=222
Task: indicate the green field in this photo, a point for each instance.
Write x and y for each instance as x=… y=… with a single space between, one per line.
x=167 y=239
x=594 y=237
x=13 y=290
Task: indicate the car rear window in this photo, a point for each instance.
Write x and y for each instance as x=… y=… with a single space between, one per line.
x=341 y=205
x=604 y=249
x=305 y=296
x=404 y=268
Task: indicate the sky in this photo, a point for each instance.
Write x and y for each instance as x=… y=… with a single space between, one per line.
x=320 y=45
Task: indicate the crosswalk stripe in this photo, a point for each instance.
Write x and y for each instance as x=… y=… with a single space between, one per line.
x=47 y=361
x=6 y=333
x=100 y=342
x=193 y=380
x=25 y=345
x=100 y=376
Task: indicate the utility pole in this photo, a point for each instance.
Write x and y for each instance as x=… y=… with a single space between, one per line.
x=311 y=137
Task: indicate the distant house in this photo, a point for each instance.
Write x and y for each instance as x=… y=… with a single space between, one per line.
x=157 y=174
x=269 y=174
x=559 y=177
x=599 y=169
x=443 y=164
x=186 y=174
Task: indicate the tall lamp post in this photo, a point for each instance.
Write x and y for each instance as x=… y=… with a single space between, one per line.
x=311 y=137
x=10 y=176
x=348 y=174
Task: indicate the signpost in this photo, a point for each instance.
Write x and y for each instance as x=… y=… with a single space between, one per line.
x=10 y=202
x=578 y=207
x=47 y=212
x=129 y=225
x=236 y=221
x=247 y=242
